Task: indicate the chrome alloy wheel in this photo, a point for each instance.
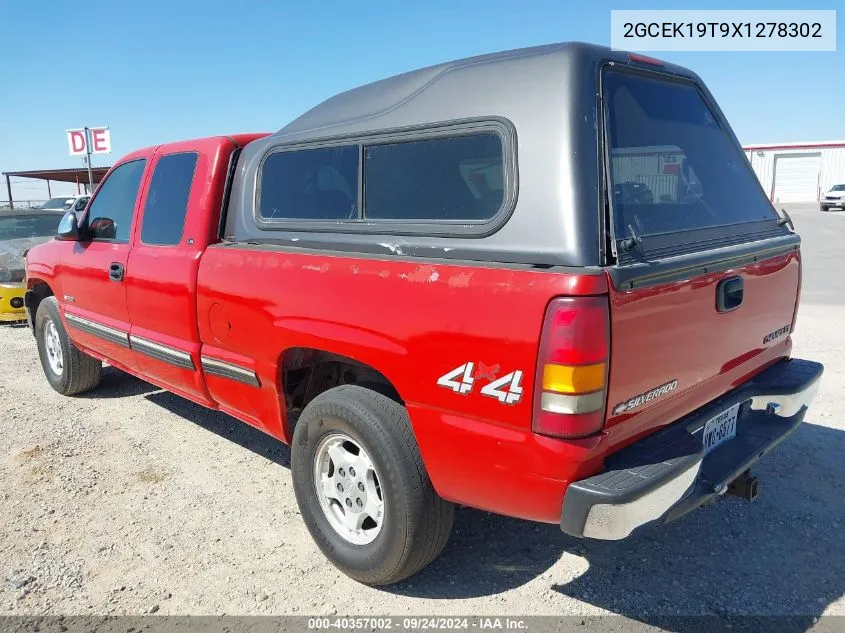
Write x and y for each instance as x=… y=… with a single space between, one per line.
x=348 y=489
x=53 y=346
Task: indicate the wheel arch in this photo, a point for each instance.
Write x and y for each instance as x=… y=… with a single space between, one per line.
x=37 y=291
x=307 y=372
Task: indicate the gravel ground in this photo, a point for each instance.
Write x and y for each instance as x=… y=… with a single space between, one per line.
x=130 y=500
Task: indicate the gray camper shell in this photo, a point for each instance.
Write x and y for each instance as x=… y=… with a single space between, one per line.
x=544 y=105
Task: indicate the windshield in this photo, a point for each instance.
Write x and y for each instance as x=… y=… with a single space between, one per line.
x=838 y=188
x=58 y=203
x=23 y=226
x=673 y=168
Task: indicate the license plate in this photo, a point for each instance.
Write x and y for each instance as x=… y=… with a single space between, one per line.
x=720 y=428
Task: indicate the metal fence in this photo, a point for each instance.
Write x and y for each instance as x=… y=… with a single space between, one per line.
x=22 y=204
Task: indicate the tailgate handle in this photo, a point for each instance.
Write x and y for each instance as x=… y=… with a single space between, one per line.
x=729 y=294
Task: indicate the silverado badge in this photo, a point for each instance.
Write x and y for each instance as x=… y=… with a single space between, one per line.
x=636 y=401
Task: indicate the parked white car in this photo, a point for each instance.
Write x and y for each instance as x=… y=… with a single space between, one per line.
x=66 y=203
x=833 y=198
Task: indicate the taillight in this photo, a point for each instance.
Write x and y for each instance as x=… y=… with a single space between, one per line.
x=571 y=382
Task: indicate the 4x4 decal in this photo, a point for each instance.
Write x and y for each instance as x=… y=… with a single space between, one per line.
x=507 y=389
x=462 y=386
x=510 y=395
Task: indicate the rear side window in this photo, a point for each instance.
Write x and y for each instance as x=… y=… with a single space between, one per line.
x=459 y=178
x=310 y=184
x=167 y=199
x=110 y=213
x=673 y=168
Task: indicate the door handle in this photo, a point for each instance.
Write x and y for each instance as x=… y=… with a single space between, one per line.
x=729 y=294
x=116 y=271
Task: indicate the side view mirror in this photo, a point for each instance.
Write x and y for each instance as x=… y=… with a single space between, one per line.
x=68 y=227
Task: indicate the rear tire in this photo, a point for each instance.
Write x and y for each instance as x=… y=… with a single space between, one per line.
x=412 y=523
x=68 y=370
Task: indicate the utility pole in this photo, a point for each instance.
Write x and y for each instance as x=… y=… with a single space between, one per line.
x=88 y=142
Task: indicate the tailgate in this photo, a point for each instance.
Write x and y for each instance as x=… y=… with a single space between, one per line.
x=706 y=276
x=674 y=343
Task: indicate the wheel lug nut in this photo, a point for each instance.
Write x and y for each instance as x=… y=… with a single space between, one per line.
x=348 y=502
x=351 y=471
x=340 y=487
x=359 y=502
x=361 y=486
x=342 y=473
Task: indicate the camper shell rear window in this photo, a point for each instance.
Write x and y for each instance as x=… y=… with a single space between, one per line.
x=677 y=180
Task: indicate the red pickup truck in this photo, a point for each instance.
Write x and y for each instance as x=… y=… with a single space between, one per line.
x=544 y=283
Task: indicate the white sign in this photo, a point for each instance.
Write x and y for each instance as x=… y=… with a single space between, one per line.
x=98 y=139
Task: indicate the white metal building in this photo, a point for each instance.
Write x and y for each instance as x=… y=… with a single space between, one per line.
x=798 y=172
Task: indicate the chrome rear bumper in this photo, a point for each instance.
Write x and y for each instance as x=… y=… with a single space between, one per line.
x=668 y=474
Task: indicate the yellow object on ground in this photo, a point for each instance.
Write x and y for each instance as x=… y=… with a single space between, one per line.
x=11 y=294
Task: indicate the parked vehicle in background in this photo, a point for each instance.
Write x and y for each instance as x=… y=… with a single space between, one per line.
x=19 y=231
x=66 y=203
x=454 y=286
x=833 y=199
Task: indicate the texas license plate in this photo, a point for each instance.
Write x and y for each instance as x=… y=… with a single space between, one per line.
x=720 y=428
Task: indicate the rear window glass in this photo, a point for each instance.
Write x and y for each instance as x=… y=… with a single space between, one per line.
x=672 y=166
x=310 y=184
x=58 y=203
x=457 y=178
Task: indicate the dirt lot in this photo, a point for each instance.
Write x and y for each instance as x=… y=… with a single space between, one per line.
x=131 y=500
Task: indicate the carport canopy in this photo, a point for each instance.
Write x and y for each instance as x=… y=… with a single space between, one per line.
x=79 y=175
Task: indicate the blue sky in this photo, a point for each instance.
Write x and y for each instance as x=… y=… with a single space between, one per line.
x=161 y=71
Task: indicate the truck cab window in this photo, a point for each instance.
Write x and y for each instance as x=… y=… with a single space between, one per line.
x=167 y=199
x=110 y=213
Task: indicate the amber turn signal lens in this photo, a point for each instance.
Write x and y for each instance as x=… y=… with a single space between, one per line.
x=573 y=378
